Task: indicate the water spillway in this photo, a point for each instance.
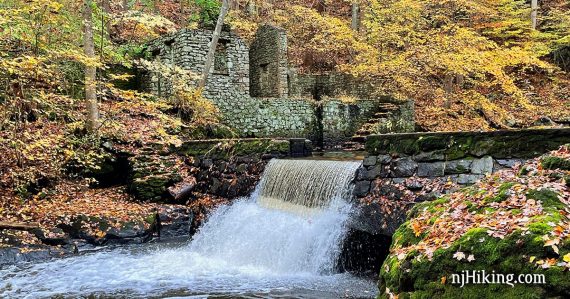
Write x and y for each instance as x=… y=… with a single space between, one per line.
x=283 y=240
x=306 y=184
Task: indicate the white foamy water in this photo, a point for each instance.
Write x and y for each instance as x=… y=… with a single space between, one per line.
x=244 y=250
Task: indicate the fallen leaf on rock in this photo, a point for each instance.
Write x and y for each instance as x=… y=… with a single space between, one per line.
x=459 y=255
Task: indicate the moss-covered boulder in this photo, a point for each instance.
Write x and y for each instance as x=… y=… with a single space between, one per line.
x=509 y=224
x=552 y=162
x=151 y=174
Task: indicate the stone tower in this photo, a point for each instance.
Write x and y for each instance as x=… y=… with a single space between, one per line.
x=268 y=66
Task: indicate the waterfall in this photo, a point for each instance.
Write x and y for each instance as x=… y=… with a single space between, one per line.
x=294 y=184
x=262 y=232
x=283 y=239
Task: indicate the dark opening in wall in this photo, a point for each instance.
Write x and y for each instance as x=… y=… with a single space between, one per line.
x=221 y=58
x=169 y=42
x=319 y=128
x=363 y=253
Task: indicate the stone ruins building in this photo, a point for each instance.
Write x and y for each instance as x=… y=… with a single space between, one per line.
x=260 y=95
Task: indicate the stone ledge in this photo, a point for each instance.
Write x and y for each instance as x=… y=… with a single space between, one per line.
x=508 y=144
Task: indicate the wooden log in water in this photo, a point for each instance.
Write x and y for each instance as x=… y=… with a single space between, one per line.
x=19 y=226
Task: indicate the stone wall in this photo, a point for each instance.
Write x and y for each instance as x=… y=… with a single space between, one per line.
x=268 y=63
x=462 y=157
x=226 y=168
x=231 y=168
x=404 y=169
x=341 y=120
x=330 y=85
x=269 y=117
x=331 y=120
x=275 y=102
x=187 y=49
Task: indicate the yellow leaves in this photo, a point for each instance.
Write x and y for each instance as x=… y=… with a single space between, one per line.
x=417 y=228
x=99 y=234
x=566 y=258
x=121 y=77
x=546 y=263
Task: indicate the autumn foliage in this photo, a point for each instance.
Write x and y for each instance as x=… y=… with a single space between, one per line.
x=514 y=221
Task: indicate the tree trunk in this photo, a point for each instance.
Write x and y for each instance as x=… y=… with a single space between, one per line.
x=448 y=87
x=533 y=13
x=321 y=6
x=355 y=24
x=214 y=44
x=251 y=9
x=106 y=6
x=90 y=71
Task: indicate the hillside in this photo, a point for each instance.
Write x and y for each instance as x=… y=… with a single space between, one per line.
x=469 y=65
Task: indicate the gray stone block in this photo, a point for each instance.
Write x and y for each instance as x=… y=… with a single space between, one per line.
x=482 y=166
x=458 y=166
x=429 y=156
x=369 y=161
x=375 y=172
x=509 y=163
x=433 y=169
x=398 y=180
x=384 y=159
x=361 y=188
x=404 y=167
x=467 y=179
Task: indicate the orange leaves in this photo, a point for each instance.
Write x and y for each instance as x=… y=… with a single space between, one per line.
x=498 y=206
x=417 y=228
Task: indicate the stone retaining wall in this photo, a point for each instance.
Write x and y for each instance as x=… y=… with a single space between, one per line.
x=231 y=168
x=462 y=157
x=299 y=117
x=257 y=94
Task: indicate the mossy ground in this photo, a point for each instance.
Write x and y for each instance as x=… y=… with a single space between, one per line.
x=510 y=223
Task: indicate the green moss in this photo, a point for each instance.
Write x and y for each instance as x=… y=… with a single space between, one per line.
x=421 y=278
x=551 y=162
x=502 y=195
x=549 y=198
x=540 y=228
x=432 y=143
x=432 y=206
x=524 y=171
x=440 y=201
x=469 y=204
x=459 y=148
x=149 y=219
x=541 y=224
x=405 y=146
x=405 y=236
x=224 y=149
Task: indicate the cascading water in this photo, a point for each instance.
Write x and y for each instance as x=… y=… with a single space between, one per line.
x=283 y=240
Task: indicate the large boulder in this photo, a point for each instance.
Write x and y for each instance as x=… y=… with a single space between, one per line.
x=152 y=174
x=514 y=222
